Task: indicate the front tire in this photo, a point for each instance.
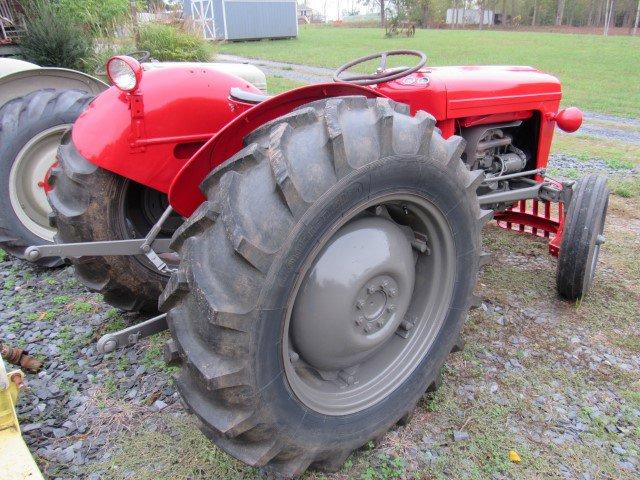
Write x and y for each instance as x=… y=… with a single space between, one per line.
x=583 y=236
x=318 y=190
x=92 y=204
x=30 y=130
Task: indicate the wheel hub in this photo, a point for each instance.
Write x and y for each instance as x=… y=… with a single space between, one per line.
x=375 y=304
x=28 y=198
x=355 y=295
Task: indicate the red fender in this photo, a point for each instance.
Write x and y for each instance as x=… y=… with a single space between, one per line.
x=184 y=194
x=149 y=135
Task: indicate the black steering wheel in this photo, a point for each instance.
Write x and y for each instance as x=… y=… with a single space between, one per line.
x=382 y=74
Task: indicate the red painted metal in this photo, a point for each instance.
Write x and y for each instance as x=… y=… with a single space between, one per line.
x=180 y=123
x=136 y=135
x=527 y=217
x=569 y=119
x=184 y=194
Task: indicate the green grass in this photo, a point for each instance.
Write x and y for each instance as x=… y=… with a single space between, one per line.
x=616 y=154
x=598 y=74
x=276 y=84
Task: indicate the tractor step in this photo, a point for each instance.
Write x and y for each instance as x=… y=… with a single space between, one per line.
x=131 y=335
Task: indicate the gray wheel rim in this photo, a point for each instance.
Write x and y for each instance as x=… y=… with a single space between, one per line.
x=27 y=195
x=344 y=349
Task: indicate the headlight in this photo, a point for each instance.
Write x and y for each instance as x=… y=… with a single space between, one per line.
x=124 y=72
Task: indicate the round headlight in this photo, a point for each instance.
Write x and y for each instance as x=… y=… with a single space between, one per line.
x=124 y=72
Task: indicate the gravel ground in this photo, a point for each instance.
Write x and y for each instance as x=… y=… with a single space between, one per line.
x=562 y=162
x=557 y=383
x=73 y=408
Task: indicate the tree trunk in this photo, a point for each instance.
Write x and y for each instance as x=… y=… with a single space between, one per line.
x=560 y=12
x=464 y=12
x=481 y=19
x=535 y=13
x=610 y=17
x=454 y=14
x=424 y=21
x=383 y=20
x=504 y=13
x=635 y=24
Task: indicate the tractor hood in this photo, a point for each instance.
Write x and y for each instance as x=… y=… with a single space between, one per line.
x=470 y=90
x=454 y=92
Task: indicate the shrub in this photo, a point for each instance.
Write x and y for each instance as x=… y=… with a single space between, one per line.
x=100 y=16
x=167 y=43
x=53 y=38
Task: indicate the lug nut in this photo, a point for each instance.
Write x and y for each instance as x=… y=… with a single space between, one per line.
x=294 y=357
x=367 y=328
x=370 y=289
x=391 y=308
x=359 y=321
x=406 y=325
x=379 y=323
x=393 y=292
x=360 y=304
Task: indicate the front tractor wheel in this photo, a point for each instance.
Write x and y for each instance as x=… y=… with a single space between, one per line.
x=324 y=281
x=583 y=236
x=92 y=204
x=30 y=131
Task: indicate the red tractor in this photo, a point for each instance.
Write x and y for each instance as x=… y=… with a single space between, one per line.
x=316 y=252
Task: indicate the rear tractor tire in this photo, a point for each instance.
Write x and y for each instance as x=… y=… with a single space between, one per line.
x=583 y=235
x=30 y=131
x=92 y=204
x=324 y=281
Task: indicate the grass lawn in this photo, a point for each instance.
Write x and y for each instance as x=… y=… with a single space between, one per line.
x=598 y=74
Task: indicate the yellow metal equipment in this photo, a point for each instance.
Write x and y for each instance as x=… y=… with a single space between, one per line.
x=16 y=462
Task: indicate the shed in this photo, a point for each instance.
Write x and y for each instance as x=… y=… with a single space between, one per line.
x=243 y=19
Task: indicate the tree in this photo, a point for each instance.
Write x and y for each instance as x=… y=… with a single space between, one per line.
x=560 y=12
x=635 y=24
x=383 y=5
x=535 y=13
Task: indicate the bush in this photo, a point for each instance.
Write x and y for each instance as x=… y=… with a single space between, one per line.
x=100 y=16
x=53 y=38
x=167 y=43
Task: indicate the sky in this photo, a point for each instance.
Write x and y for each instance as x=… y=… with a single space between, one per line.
x=333 y=7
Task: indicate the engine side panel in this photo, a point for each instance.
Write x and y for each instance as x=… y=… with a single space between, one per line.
x=149 y=135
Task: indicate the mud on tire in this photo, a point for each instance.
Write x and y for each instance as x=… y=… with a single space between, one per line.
x=90 y=204
x=242 y=251
x=21 y=120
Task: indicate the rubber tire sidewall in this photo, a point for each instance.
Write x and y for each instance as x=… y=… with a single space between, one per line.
x=427 y=180
x=581 y=230
x=8 y=154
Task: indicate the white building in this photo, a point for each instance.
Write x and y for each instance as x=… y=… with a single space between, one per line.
x=471 y=16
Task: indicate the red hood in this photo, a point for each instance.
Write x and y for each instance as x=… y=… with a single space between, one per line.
x=454 y=92
x=471 y=89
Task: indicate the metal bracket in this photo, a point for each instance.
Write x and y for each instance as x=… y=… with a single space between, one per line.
x=131 y=335
x=89 y=249
x=511 y=196
x=149 y=246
